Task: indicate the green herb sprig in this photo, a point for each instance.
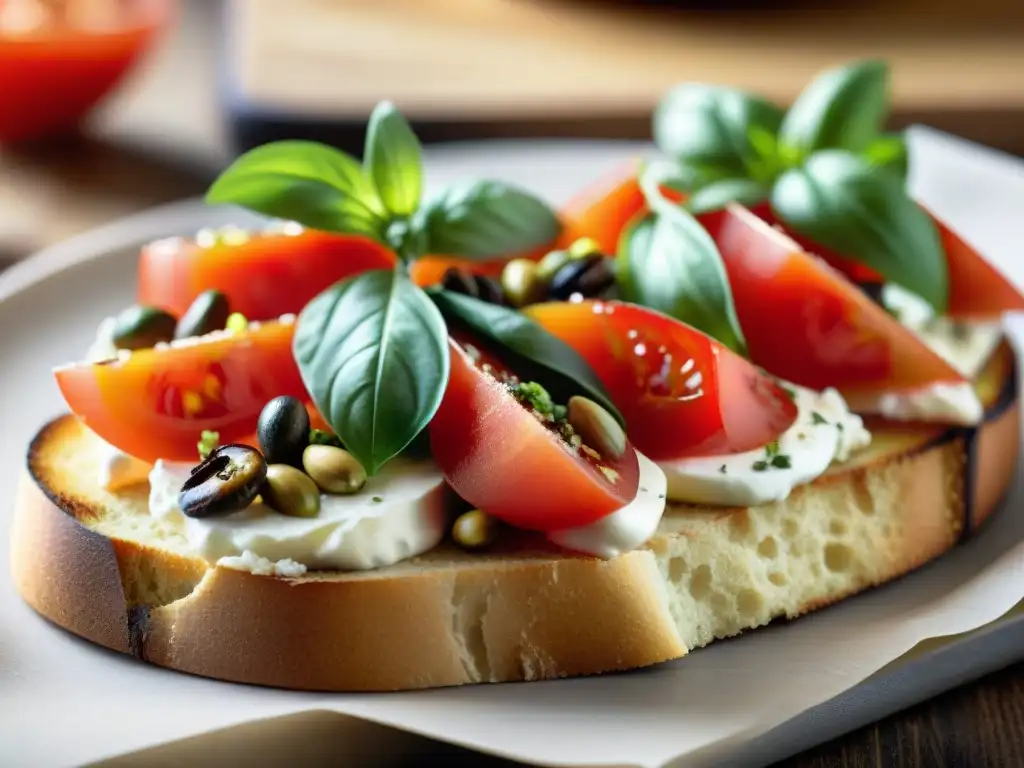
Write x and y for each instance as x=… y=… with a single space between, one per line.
x=824 y=166
x=667 y=261
x=372 y=349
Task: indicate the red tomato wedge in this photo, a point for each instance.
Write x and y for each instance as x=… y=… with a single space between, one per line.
x=156 y=403
x=977 y=290
x=264 y=277
x=680 y=391
x=807 y=324
x=602 y=211
x=497 y=456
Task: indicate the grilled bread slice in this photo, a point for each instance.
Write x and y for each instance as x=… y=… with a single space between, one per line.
x=98 y=565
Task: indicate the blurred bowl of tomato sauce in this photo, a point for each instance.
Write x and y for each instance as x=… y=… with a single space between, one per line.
x=60 y=58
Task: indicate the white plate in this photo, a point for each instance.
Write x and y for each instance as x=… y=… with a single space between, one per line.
x=731 y=692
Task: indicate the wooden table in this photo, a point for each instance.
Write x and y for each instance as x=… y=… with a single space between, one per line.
x=147 y=148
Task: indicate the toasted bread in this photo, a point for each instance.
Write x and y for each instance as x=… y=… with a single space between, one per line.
x=98 y=565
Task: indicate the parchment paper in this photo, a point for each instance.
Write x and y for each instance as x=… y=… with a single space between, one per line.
x=65 y=702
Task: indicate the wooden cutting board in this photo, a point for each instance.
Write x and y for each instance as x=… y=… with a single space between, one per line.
x=579 y=67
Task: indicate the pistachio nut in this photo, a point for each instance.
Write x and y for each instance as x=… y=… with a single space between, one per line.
x=596 y=427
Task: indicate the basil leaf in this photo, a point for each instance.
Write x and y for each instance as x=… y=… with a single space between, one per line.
x=532 y=352
x=485 y=219
x=313 y=184
x=709 y=128
x=843 y=108
x=860 y=211
x=393 y=159
x=674 y=267
x=716 y=195
x=889 y=151
x=373 y=353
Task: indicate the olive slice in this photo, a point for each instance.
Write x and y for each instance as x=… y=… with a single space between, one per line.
x=227 y=481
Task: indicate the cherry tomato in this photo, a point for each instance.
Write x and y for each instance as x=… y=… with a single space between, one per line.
x=53 y=73
x=680 y=391
x=156 y=403
x=804 y=322
x=497 y=455
x=264 y=276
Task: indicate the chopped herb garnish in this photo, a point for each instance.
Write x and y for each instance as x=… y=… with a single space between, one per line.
x=801 y=435
x=377 y=499
x=534 y=395
x=790 y=393
x=207 y=442
x=817 y=418
x=840 y=426
x=781 y=461
x=772 y=448
x=723 y=469
x=759 y=466
x=559 y=413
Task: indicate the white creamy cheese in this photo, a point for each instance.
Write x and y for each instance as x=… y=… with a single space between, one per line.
x=824 y=431
x=117 y=469
x=102 y=347
x=965 y=346
x=260 y=566
x=950 y=403
x=399 y=514
x=627 y=528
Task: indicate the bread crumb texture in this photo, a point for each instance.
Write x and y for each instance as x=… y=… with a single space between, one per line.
x=736 y=570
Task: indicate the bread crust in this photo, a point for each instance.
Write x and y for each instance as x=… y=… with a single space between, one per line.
x=527 y=613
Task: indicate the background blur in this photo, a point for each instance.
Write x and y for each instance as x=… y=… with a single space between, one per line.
x=207 y=78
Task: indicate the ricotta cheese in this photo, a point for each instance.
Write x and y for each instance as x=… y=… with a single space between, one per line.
x=950 y=403
x=965 y=346
x=824 y=431
x=399 y=514
x=117 y=469
x=625 y=529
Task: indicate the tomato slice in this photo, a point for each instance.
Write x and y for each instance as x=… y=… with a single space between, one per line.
x=156 y=403
x=807 y=324
x=500 y=458
x=602 y=211
x=680 y=391
x=977 y=290
x=264 y=276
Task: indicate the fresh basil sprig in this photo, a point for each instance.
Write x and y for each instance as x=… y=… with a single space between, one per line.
x=669 y=263
x=733 y=147
x=842 y=203
x=843 y=108
x=324 y=188
x=707 y=129
x=373 y=354
x=372 y=350
x=531 y=351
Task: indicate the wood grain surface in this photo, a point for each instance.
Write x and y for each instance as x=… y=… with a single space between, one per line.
x=160 y=140
x=576 y=67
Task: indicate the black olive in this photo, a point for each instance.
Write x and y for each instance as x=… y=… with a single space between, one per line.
x=481 y=287
x=283 y=431
x=227 y=481
x=873 y=291
x=209 y=312
x=140 y=327
x=590 y=277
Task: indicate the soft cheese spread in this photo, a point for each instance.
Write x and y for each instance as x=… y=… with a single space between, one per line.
x=824 y=431
x=399 y=514
x=627 y=528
